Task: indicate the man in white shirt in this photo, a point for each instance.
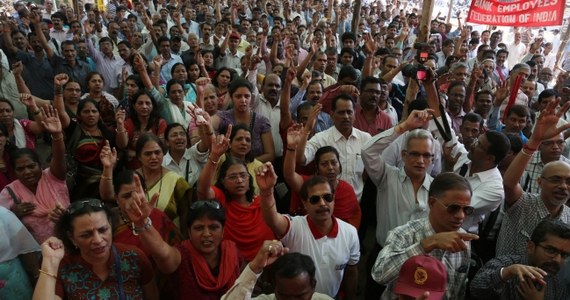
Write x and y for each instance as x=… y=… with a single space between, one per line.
x=516 y=50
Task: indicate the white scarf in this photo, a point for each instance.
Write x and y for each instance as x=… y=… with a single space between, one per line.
x=19 y=134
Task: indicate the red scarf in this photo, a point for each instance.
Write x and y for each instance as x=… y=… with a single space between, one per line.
x=513 y=96
x=229 y=263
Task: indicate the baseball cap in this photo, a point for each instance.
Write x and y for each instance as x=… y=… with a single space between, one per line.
x=420 y=274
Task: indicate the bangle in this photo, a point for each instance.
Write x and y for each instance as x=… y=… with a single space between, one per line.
x=120 y=131
x=146 y=226
x=106 y=177
x=291 y=149
x=47 y=273
x=212 y=161
x=524 y=152
x=525 y=146
x=58 y=90
x=55 y=139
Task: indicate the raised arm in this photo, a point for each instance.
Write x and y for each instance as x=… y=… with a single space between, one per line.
x=52 y=253
x=293 y=179
x=285 y=103
x=545 y=128
x=167 y=258
x=59 y=81
x=122 y=137
x=52 y=124
x=219 y=146
x=266 y=179
x=300 y=157
x=108 y=159
x=36 y=126
x=35 y=20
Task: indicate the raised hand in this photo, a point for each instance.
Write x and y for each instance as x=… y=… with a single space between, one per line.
x=220 y=143
x=138 y=209
x=52 y=251
x=157 y=61
x=138 y=63
x=60 y=79
x=269 y=252
x=312 y=120
x=200 y=60
x=546 y=123
x=501 y=93
x=51 y=121
x=17 y=68
x=201 y=84
x=34 y=17
x=199 y=116
x=294 y=133
x=120 y=116
x=350 y=89
x=27 y=100
x=291 y=75
x=418 y=119
x=108 y=156
x=521 y=272
x=448 y=160
x=265 y=177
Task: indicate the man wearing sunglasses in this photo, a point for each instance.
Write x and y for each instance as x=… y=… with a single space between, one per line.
x=535 y=272
x=439 y=235
x=330 y=242
x=523 y=211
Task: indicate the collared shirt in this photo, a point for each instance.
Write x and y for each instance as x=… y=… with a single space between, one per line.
x=391 y=111
x=38 y=74
x=190 y=164
x=404 y=242
x=519 y=223
x=533 y=170
x=230 y=60
x=59 y=35
x=324 y=120
x=332 y=253
x=349 y=150
x=382 y=121
x=165 y=71
x=263 y=107
x=396 y=201
x=78 y=72
x=488 y=192
x=108 y=67
x=456 y=120
x=488 y=283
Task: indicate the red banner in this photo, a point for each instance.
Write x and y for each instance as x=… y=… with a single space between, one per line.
x=525 y=13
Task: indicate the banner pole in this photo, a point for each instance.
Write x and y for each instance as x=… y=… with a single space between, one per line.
x=451 y=2
x=425 y=21
x=565 y=37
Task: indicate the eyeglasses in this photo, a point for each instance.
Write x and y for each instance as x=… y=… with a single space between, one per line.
x=76 y=206
x=236 y=177
x=316 y=198
x=452 y=209
x=556 y=180
x=551 y=143
x=208 y=203
x=416 y=155
x=553 y=252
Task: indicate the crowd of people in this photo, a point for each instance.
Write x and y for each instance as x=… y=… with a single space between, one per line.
x=219 y=149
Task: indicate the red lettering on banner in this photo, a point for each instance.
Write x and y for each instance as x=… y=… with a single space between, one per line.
x=521 y=13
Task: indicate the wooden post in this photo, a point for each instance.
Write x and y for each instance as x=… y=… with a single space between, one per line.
x=356 y=15
x=425 y=21
x=450 y=11
x=564 y=40
x=76 y=9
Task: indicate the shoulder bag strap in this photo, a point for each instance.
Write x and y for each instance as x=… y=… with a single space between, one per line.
x=118 y=273
x=11 y=192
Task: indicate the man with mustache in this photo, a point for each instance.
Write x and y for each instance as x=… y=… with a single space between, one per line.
x=523 y=211
x=535 y=272
x=439 y=235
x=330 y=242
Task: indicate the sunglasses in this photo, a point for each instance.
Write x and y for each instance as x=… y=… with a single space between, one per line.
x=76 y=206
x=316 y=198
x=208 y=203
x=454 y=208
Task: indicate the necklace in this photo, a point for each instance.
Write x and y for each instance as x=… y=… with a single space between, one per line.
x=149 y=186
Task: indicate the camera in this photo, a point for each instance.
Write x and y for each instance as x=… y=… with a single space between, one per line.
x=418 y=71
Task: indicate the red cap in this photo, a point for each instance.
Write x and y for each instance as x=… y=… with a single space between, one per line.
x=420 y=274
x=235 y=35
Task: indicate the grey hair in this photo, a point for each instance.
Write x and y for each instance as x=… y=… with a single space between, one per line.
x=458 y=65
x=519 y=66
x=420 y=134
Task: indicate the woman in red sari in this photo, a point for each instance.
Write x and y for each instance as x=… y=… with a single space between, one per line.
x=327 y=164
x=234 y=191
x=205 y=266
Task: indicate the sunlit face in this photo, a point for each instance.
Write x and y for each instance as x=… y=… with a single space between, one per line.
x=240 y=145
x=143 y=106
x=528 y=88
x=321 y=210
x=92 y=234
x=151 y=156
x=417 y=157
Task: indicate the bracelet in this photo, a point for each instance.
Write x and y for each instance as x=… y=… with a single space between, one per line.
x=291 y=149
x=37 y=112
x=524 y=152
x=146 y=226
x=55 y=139
x=47 y=273
x=106 y=177
x=58 y=90
x=525 y=146
x=120 y=131
x=212 y=161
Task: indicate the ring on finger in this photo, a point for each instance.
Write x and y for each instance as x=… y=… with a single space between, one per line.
x=270 y=248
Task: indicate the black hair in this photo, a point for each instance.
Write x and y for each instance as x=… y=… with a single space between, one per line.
x=239 y=83
x=171 y=126
x=448 y=181
x=23 y=152
x=216 y=214
x=473 y=118
x=324 y=150
x=341 y=97
x=249 y=156
x=546 y=94
x=311 y=182
x=144 y=139
x=369 y=80
x=292 y=265
x=154 y=117
x=551 y=227
x=499 y=145
x=230 y=161
x=64 y=226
